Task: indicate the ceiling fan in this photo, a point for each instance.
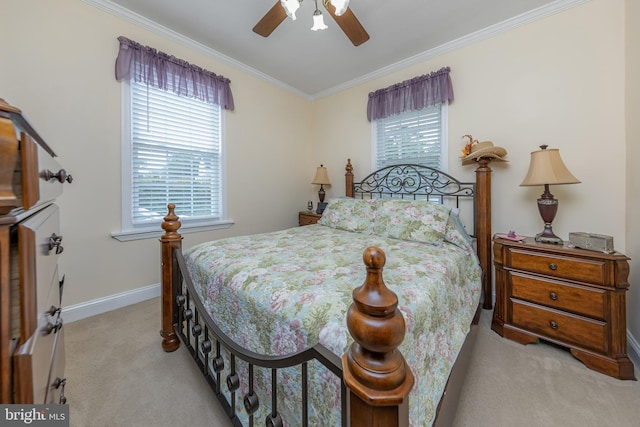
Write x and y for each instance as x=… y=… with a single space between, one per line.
x=344 y=17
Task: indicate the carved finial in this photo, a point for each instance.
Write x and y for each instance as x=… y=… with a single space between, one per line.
x=349 y=167
x=171 y=223
x=378 y=328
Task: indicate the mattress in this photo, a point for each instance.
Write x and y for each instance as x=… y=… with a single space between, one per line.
x=281 y=292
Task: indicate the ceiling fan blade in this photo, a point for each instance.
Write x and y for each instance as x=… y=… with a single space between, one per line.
x=349 y=24
x=270 y=20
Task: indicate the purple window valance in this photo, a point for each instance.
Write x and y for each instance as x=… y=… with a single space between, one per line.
x=414 y=94
x=158 y=69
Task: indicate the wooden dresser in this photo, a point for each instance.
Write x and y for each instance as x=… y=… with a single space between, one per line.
x=568 y=296
x=31 y=326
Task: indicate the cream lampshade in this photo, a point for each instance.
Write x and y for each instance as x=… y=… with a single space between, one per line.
x=547 y=168
x=321 y=179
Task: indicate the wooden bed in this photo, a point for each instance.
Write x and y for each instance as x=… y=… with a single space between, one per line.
x=374 y=377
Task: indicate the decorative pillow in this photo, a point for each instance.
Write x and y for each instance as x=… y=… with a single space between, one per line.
x=349 y=214
x=417 y=220
x=456 y=233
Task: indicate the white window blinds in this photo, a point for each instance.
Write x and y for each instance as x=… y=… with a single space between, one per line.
x=176 y=156
x=411 y=137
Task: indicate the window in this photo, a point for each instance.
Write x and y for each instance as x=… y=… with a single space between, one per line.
x=172 y=152
x=417 y=136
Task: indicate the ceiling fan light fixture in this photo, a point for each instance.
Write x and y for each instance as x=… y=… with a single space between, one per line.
x=318 y=21
x=340 y=5
x=290 y=6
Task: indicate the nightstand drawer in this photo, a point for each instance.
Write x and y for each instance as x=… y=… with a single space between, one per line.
x=564 y=296
x=308 y=218
x=587 y=270
x=580 y=331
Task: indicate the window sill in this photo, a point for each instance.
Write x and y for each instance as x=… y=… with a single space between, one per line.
x=156 y=232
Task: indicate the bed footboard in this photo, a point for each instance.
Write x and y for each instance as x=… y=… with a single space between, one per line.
x=374 y=371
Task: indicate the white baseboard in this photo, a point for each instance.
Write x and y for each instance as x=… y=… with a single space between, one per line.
x=111 y=302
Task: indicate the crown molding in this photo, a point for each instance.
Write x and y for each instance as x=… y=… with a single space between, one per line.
x=483 y=34
x=154 y=27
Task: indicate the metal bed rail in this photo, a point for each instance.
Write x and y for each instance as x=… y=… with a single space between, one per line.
x=202 y=337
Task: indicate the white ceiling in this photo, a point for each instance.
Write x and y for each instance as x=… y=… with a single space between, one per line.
x=316 y=62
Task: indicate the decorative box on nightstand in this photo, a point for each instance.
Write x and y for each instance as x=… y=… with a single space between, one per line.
x=308 y=218
x=569 y=296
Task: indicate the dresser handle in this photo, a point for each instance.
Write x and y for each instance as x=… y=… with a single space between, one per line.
x=60 y=382
x=55 y=241
x=553 y=296
x=553 y=266
x=61 y=176
x=50 y=327
x=553 y=325
x=53 y=310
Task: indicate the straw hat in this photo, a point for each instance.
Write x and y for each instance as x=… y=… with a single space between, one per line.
x=477 y=150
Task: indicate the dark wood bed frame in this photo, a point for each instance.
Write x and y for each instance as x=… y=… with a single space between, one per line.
x=375 y=376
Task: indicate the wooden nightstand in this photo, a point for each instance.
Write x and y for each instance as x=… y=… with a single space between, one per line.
x=308 y=218
x=568 y=296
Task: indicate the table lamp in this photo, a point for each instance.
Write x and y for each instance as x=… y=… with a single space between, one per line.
x=547 y=168
x=321 y=179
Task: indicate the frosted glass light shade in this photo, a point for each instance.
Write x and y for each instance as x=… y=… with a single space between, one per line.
x=318 y=21
x=340 y=5
x=290 y=6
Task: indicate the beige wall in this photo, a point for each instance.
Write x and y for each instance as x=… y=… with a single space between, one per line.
x=633 y=172
x=558 y=81
x=58 y=67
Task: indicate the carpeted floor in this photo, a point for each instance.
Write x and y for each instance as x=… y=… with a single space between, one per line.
x=117 y=375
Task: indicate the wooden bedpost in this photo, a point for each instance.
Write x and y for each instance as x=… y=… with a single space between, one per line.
x=483 y=225
x=375 y=372
x=348 y=179
x=170 y=241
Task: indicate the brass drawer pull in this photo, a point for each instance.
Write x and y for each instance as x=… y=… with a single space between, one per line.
x=553 y=325
x=553 y=296
x=553 y=266
x=61 y=176
x=51 y=327
x=60 y=382
x=53 y=311
x=55 y=241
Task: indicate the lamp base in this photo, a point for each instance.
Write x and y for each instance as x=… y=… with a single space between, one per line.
x=548 y=206
x=547 y=236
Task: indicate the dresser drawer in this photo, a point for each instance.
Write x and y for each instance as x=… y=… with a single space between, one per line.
x=32 y=361
x=38 y=177
x=576 y=330
x=586 y=270
x=57 y=380
x=39 y=246
x=564 y=296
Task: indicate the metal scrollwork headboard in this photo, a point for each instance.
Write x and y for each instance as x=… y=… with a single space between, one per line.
x=413 y=181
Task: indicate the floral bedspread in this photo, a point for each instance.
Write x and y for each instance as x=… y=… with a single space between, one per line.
x=281 y=292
